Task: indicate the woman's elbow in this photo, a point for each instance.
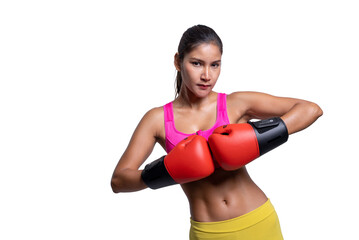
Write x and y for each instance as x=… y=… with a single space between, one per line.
x=127 y=180
x=115 y=185
x=316 y=110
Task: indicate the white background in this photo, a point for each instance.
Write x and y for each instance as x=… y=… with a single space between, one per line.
x=77 y=76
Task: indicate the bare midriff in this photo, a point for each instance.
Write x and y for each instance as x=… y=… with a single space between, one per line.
x=223 y=195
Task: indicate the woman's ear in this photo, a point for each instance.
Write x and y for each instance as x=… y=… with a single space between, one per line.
x=177 y=62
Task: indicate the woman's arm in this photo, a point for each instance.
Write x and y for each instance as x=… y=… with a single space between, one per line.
x=236 y=145
x=301 y=116
x=126 y=176
x=297 y=114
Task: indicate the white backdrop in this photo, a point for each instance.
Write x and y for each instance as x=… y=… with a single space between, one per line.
x=77 y=76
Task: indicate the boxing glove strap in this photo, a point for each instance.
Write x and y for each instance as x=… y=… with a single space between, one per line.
x=270 y=133
x=155 y=174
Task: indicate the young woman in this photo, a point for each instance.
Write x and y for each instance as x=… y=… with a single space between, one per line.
x=224 y=201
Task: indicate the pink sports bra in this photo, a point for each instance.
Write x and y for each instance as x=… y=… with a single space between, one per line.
x=173 y=136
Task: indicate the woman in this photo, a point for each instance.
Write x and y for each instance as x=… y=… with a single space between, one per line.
x=223 y=204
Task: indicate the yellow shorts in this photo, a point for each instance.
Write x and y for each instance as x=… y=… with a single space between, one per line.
x=259 y=224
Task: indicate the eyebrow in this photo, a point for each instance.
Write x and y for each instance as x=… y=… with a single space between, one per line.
x=197 y=59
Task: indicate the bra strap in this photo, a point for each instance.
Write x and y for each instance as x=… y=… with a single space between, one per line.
x=221 y=102
x=168 y=112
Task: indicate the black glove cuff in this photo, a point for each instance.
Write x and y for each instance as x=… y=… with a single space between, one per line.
x=155 y=175
x=270 y=133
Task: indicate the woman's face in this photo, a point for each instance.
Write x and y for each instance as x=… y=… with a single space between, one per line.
x=200 y=69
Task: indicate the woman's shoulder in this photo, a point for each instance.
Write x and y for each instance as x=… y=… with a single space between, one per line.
x=243 y=94
x=240 y=103
x=154 y=114
x=152 y=121
x=245 y=97
x=240 y=97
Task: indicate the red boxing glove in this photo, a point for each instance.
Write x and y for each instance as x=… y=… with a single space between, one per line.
x=189 y=160
x=235 y=145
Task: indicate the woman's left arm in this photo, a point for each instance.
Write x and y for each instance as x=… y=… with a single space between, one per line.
x=297 y=114
x=301 y=116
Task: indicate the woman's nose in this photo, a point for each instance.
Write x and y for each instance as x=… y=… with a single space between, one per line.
x=206 y=74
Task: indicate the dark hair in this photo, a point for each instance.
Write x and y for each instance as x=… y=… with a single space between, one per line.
x=192 y=38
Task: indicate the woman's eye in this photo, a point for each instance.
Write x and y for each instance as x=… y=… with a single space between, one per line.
x=196 y=63
x=215 y=65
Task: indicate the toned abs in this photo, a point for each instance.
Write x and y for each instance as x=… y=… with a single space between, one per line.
x=223 y=195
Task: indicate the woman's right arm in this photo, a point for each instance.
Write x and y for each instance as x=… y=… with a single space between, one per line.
x=126 y=176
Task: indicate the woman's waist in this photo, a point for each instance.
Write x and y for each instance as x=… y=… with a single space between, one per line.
x=236 y=223
x=224 y=207
x=224 y=197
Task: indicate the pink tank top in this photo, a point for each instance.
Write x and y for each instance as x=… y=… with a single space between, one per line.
x=173 y=136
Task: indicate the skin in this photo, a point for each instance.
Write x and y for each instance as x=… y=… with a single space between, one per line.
x=224 y=194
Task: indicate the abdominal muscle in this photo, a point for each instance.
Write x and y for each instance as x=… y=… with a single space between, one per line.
x=223 y=195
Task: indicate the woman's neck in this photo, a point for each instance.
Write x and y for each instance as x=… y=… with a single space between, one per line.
x=188 y=99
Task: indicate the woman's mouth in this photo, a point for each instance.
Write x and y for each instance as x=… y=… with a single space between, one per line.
x=203 y=86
